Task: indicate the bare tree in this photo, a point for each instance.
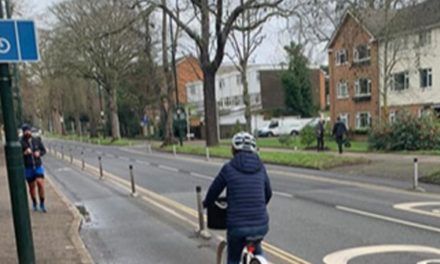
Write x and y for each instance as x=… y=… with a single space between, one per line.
x=224 y=22
x=245 y=41
x=99 y=50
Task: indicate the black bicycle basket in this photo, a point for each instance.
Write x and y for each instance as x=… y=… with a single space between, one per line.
x=217 y=214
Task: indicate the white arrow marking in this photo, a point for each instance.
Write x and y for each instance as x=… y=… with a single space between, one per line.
x=344 y=256
x=412 y=207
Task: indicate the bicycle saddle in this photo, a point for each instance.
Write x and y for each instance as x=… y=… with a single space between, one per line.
x=254 y=239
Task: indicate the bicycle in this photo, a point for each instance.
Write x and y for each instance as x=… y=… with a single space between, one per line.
x=248 y=256
x=217 y=221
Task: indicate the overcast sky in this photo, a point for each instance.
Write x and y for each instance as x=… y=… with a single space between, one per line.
x=270 y=52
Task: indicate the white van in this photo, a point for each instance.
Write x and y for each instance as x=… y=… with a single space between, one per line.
x=286 y=126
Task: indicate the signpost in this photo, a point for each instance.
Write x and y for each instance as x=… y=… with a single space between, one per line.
x=18 y=43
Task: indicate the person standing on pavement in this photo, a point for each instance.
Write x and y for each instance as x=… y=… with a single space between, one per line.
x=340 y=132
x=33 y=150
x=320 y=129
x=248 y=193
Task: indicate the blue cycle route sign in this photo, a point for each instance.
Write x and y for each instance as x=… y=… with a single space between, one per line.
x=18 y=41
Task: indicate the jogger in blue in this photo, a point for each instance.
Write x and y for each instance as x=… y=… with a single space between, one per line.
x=33 y=150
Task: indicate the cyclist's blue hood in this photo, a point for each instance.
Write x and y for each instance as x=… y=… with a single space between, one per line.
x=246 y=162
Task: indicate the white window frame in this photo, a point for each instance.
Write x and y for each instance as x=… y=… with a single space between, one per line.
x=339 y=94
x=192 y=90
x=221 y=83
x=425 y=38
x=392 y=117
x=339 y=53
x=405 y=84
x=356 y=53
x=357 y=86
x=428 y=75
x=345 y=118
x=238 y=80
x=358 y=120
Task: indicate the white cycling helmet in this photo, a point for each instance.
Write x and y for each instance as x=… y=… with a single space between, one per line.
x=244 y=141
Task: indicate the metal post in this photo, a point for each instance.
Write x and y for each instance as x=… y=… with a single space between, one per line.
x=71 y=156
x=83 y=165
x=416 y=174
x=174 y=151
x=202 y=228
x=15 y=169
x=150 y=150
x=101 y=173
x=133 y=185
x=62 y=152
x=207 y=154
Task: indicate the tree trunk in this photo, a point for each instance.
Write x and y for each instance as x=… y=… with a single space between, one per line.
x=210 y=108
x=78 y=125
x=246 y=98
x=114 y=118
x=168 y=102
x=56 y=121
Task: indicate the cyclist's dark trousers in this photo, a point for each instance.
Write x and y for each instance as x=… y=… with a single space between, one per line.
x=237 y=241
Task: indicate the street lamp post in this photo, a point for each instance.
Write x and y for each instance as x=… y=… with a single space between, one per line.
x=15 y=169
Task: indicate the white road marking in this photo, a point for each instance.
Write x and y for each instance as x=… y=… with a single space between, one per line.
x=65 y=169
x=412 y=207
x=389 y=219
x=124 y=158
x=168 y=168
x=344 y=256
x=201 y=176
x=288 y=195
x=430 y=261
x=143 y=162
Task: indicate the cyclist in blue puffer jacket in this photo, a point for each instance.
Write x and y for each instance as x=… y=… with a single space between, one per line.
x=248 y=193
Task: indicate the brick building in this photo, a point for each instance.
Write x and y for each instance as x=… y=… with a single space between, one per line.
x=188 y=70
x=362 y=77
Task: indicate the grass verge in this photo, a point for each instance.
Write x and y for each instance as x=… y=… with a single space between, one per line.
x=97 y=141
x=434 y=178
x=356 y=146
x=304 y=160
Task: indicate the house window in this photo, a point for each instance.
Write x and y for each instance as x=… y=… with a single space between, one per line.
x=345 y=120
x=221 y=84
x=425 y=38
x=363 y=87
x=341 y=57
x=228 y=101
x=342 y=90
x=361 y=53
x=426 y=78
x=192 y=90
x=363 y=120
x=237 y=100
x=392 y=117
x=258 y=76
x=400 y=81
x=238 y=80
x=220 y=104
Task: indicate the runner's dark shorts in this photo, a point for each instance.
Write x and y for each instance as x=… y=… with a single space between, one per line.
x=33 y=173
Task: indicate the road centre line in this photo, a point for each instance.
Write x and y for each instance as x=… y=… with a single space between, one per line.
x=388 y=219
x=287 y=195
x=168 y=168
x=169 y=204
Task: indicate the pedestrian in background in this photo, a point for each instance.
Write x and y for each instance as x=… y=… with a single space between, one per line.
x=320 y=131
x=339 y=132
x=33 y=150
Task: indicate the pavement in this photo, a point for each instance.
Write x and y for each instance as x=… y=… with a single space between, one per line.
x=56 y=233
x=316 y=216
